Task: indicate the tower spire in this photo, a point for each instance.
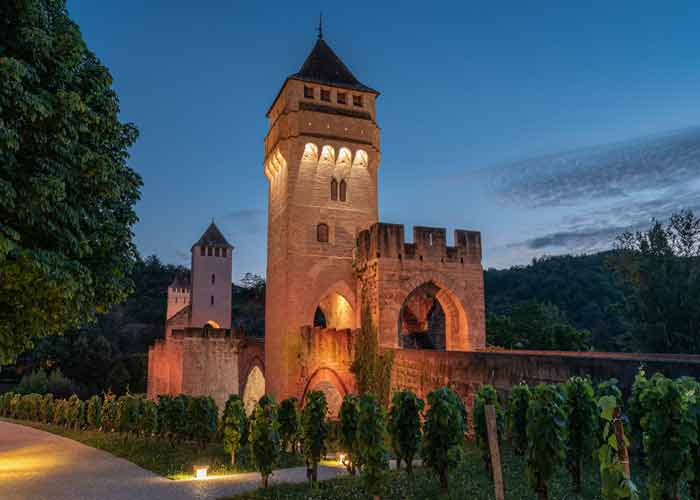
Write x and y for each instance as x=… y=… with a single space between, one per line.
x=320 y=25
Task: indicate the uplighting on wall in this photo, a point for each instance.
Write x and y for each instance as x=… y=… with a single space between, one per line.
x=200 y=471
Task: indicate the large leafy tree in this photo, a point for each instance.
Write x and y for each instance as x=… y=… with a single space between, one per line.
x=582 y=424
x=404 y=427
x=234 y=423
x=315 y=431
x=661 y=267
x=67 y=194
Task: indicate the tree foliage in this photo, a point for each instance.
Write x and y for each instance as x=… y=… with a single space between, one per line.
x=669 y=432
x=290 y=423
x=264 y=437
x=371 y=448
x=234 y=423
x=661 y=267
x=371 y=367
x=533 y=325
x=349 y=416
x=404 y=427
x=314 y=431
x=516 y=418
x=443 y=433
x=94 y=412
x=546 y=431
x=67 y=194
x=581 y=425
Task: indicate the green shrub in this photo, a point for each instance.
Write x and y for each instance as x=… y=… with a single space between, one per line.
x=486 y=395
x=609 y=387
x=290 y=423
x=5 y=404
x=234 y=423
x=35 y=382
x=129 y=410
x=404 y=427
x=109 y=412
x=349 y=416
x=46 y=409
x=264 y=437
x=613 y=483
x=172 y=417
x=148 y=424
x=371 y=448
x=516 y=418
x=28 y=407
x=94 y=412
x=74 y=412
x=314 y=431
x=60 y=408
x=443 y=433
x=634 y=404
x=582 y=424
x=546 y=431
x=669 y=433
x=202 y=415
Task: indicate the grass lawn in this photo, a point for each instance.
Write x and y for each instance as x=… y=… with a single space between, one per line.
x=174 y=461
x=468 y=482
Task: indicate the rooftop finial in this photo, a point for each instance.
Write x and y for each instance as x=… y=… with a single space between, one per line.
x=320 y=26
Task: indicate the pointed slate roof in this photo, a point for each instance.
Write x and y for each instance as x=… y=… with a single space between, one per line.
x=324 y=66
x=213 y=237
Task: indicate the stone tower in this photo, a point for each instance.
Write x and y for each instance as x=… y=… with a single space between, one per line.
x=211 y=280
x=178 y=295
x=321 y=159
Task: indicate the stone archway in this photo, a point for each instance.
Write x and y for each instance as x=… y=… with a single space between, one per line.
x=327 y=381
x=254 y=388
x=431 y=316
x=335 y=308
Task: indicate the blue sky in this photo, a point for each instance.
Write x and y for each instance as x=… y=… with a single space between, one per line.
x=549 y=126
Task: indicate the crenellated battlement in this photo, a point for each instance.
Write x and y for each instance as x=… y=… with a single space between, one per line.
x=387 y=241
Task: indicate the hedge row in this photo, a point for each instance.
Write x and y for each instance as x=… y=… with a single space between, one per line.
x=176 y=418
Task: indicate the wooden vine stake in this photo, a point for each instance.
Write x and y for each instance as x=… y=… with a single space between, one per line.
x=622 y=452
x=495 y=452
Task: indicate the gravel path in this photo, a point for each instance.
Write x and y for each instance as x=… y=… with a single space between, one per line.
x=38 y=465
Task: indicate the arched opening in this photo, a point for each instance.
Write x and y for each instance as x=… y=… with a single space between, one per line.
x=333 y=397
x=361 y=159
x=334 y=190
x=310 y=152
x=343 y=190
x=254 y=389
x=427 y=317
x=344 y=157
x=334 y=311
x=328 y=154
x=322 y=233
x=327 y=381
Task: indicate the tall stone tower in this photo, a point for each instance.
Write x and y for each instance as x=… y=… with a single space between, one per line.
x=211 y=280
x=321 y=159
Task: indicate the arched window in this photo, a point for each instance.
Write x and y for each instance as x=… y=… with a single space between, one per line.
x=212 y=300
x=213 y=279
x=334 y=189
x=343 y=190
x=322 y=233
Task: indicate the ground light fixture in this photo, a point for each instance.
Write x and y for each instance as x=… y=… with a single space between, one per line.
x=200 y=471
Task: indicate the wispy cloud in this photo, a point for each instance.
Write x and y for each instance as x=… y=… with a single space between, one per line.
x=245 y=220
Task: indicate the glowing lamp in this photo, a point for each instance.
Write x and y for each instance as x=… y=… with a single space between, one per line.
x=342 y=459
x=200 y=471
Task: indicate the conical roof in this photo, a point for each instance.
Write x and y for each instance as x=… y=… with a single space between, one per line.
x=213 y=237
x=324 y=66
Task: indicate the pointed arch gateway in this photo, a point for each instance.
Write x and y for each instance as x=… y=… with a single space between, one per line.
x=432 y=317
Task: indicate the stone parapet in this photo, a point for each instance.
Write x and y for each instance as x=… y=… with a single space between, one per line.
x=387 y=241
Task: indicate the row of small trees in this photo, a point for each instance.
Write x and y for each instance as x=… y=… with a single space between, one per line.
x=176 y=418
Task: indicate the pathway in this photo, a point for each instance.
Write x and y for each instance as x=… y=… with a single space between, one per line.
x=38 y=465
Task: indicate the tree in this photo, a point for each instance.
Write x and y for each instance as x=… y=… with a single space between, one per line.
x=370 y=444
x=202 y=415
x=533 y=325
x=148 y=425
x=661 y=268
x=234 y=424
x=264 y=437
x=486 y=395
x=546 y=430
x=349 y=416
x=314 y=431
x=290 y=423
x=404 y=427
x=371 y=367
x=443 y=433
x=516 y=417
x=94 y=410
x=67 y=194
x=582 y=423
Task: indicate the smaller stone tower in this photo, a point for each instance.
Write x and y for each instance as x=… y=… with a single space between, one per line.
x=211 y=280
x=178 y=294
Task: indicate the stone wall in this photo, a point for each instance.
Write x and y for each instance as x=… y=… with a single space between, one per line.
x=422 y=371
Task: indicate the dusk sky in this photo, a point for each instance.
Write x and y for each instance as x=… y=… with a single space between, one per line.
x=549 y=126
